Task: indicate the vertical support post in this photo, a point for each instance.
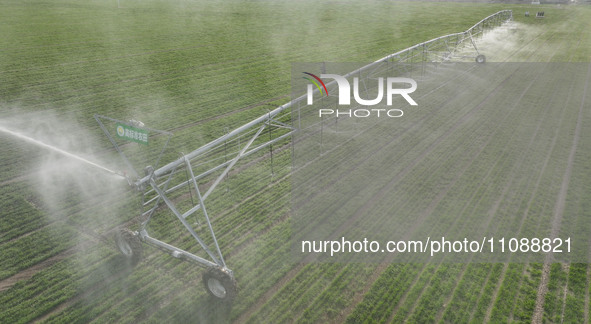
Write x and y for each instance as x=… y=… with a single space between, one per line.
x=184 y=222
x=271 y=145
x=226 y=155
x=424 y=61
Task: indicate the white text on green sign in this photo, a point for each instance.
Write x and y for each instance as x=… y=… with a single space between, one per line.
x=133 y=134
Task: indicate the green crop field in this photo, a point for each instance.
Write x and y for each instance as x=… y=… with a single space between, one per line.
x=201 y=68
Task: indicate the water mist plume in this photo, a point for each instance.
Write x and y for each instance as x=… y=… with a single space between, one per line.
x=58 y=150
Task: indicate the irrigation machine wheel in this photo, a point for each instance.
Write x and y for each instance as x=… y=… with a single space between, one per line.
x=480 y=58
x=220 y=284
x=129 y=245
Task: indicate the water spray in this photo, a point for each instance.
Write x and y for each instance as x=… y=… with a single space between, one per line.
x=58 y=150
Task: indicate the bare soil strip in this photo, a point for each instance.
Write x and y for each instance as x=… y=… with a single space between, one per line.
x=30 y=272
x=270 y=293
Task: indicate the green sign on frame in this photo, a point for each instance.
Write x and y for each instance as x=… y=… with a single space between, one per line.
x=131 y=133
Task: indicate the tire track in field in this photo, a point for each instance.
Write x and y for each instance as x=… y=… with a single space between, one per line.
x=25 y=274
x=97 y=287
x=167 y=300
x=262 y=300
x=497 y=203
x=525 y=213
x=542 y=290
x=559 y=209
x=532 y=196
x=402 y=298
x=29 y=272
x=29 y=233
x=17 y=179
x=566 y=267
x=586 y=301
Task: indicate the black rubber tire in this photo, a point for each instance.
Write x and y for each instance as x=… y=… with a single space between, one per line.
x=480 y=58
x=220 y=285
x=129 y=245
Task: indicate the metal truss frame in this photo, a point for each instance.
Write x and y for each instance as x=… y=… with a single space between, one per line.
x=156 y=185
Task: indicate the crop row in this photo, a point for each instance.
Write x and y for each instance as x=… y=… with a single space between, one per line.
x=525 y=292
x=255 y=235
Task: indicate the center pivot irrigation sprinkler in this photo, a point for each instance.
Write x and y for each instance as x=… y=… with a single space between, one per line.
x=161 y=185
x=158 y=186
x=453 y=46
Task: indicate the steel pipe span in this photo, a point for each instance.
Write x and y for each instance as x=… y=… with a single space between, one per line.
x=489 y=22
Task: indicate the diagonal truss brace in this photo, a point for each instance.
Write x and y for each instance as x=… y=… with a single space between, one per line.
x=150 y=212
x=216 y=256
x=215 y=241
x=225 y=164
x=221 y=176
x=173 y=208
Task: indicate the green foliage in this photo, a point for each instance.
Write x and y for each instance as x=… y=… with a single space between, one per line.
x=174 y=64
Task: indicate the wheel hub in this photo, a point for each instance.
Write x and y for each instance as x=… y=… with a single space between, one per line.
x=124 y=247
x=216 y=287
